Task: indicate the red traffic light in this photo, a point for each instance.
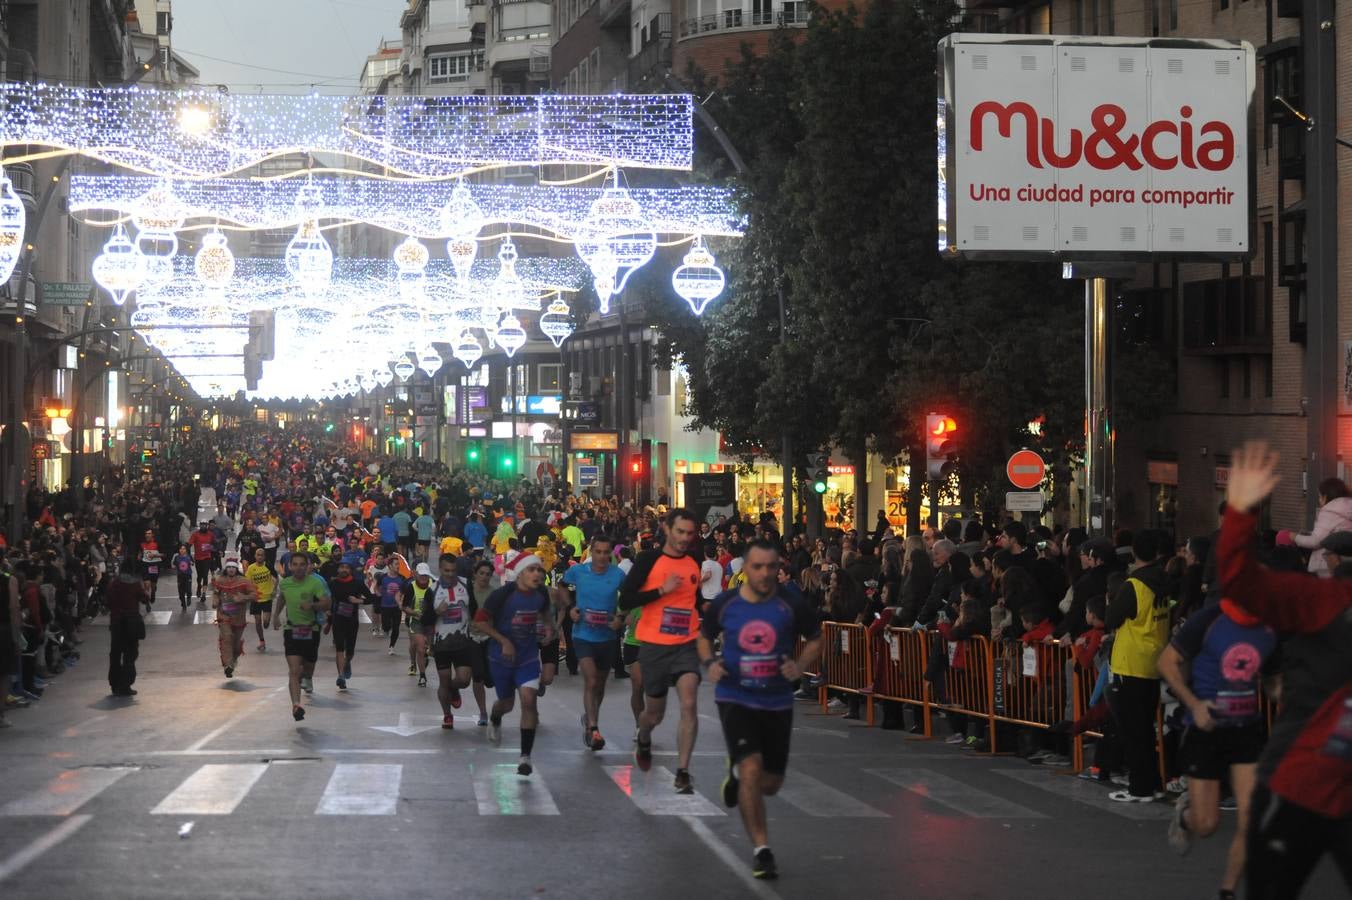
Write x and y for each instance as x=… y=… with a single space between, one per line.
x=942 y=425
x=636 y=464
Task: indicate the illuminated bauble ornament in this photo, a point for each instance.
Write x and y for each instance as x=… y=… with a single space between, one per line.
x=13 y=220
x=461 y=217
x=159 y=211
x=429 y=360
x=467 y=349
x=699 y=280
x=556 y=322
x=461 y=251
x=614 y=226
x=507 y=292
x=309 y=202
x=411 y=259
x=309 y=258
x=384 y=376
x=368 y=382
x=215 y=264
x=489 y=317
x=403 y=368
x=120 y=268
x=511 y=337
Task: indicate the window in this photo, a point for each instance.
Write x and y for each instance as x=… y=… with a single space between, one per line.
x=1229 y=313
x=1173 y=15
x=163 y=23
x=442 y=69
x=550 y=376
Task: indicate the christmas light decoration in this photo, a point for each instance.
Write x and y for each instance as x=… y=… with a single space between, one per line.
x=214 y=263
x=698 y=280
x=413 y=137
x=120 y=268
x=403 y=368
x=13 y=221
x=429 y=360
x=309 y=258
x=615 y=231
x=556 y=322
x=467 y=349
x=511 y=337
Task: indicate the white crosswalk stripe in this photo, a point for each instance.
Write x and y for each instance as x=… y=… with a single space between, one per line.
x=955 y=794
x=361 y=790
x=1081 y=791
x=66 y=793
x=214 y=789
x=652 y=793
x=499 y=791
x=816 y=798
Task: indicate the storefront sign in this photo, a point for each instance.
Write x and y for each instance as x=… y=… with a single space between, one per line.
x=65 y=293
x=1064 y=146
x=1161 y=472
x=544 y=406
x=1222 y=476
x=593 y=440
x=710 y=496
x=840 y=470
x=588 y=476
x=896 y=509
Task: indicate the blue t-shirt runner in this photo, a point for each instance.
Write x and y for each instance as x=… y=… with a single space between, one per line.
x=519 y=616
x=757 y=639
x=597 y=596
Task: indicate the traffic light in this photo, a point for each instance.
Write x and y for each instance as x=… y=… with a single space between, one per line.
x=940 y=445
x=506 y=462
x=328 y=429
x=818 y=470
x=472 y=454
x=636 y=465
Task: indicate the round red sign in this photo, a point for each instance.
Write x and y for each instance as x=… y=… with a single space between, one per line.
x=1026 y=470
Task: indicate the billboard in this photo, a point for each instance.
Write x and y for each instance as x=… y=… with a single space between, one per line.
x=1095 y=148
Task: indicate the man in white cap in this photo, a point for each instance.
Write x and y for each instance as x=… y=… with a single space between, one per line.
x=234 y=593
x=516 y=617
x=415 y=594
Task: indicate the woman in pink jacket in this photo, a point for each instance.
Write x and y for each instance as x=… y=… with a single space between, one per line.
x=1335 y=514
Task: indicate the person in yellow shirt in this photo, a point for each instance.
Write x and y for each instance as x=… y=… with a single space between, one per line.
x=503 y=537
x=451 y=546
x=260 y=573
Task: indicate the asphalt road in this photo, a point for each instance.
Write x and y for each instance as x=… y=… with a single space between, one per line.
x=369 y=797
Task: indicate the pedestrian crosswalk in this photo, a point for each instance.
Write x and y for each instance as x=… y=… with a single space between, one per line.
x=201 y=616
x=377 y=789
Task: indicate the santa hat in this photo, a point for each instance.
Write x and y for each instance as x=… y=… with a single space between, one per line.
x=519 y=565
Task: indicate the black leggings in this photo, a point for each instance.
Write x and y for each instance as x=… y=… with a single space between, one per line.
x=389 y=621
x=1286 y=842
x=184 y=588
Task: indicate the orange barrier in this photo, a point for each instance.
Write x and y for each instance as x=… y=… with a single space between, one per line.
x=846 y=661
x=899 y=669
x=968 y=681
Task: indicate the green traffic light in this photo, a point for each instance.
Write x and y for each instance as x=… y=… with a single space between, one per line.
x=329 y=427
x=506 y=462
x=398 y=442
x=473 y=454
x=819 y=487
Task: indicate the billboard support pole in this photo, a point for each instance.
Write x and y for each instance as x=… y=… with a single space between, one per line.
x=1100 y=435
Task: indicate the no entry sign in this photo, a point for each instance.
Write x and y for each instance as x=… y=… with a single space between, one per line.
x=1026 y=470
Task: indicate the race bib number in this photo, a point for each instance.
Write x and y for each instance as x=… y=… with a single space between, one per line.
x=1339 y=743
x=597 y=618
x=757 y=671
x=302 y=632
x=229 y=609
x=675 y=621
x=1030 y=662
x=1237 y=706
x=344 y=608
x=453 y=615
x=152 y=569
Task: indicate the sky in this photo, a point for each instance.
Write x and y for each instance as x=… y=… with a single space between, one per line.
x=283 y=46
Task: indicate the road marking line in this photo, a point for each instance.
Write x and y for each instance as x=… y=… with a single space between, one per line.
x=827 y=731
x=652 y=793
x=213 y=790
x=159 y=617
x=235 y=719
x=817 y=798
x=74 y=730
x=730 y=859
x=1090 y=794
x=41 y=845
x=499 y=791
x=204 y=617
x=955 y=794
x=66 y=793
x=357 y=789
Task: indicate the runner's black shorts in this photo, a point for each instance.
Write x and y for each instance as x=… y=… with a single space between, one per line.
x=482 y=672
x=749 y=731
x=629 y=654
x=549 y=653
x=259 y=606
x=1208 y=755
x=345 y=634
x=461 y=657
x=307 y=650
x=603 y=654
x=203 y=568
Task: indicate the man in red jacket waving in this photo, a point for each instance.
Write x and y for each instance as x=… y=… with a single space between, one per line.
x=1303 y=805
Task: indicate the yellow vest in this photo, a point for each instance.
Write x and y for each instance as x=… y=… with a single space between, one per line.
x=1141 y=638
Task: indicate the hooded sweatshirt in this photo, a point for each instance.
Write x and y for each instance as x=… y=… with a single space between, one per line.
x=1336 y=515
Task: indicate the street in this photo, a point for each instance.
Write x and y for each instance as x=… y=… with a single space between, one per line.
x=98 y=792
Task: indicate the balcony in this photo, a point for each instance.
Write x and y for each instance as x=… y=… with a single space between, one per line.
x=652 y=60
x=791 y=15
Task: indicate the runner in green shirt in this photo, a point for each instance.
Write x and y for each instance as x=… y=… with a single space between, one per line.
x=303 y=595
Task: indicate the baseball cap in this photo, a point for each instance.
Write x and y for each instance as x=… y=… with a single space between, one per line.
x=423 y=569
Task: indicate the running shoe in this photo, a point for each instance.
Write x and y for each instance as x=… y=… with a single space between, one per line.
x=763 y=865
x=297 y=712
x=1128 y=797
x=1180 y=839
x=412 y=670
x=307 y=685
x=1056 y=761
x=1228 y=804
x=391 y=653
x=229 y=671
x=448 y=722
x=1038 y=756
x=970 y=743
x=455 y=698
x=1090 y=774
x=422 y=681
x=730 y=787
x=524 y=767
x=955 y=738
x=262 y=647
x=342 y=683
x=483 y=722
x=597 y=742
x=494 y=731
x=1177 y=785
x=643 y=755
x=683 y=783
x=347 y=670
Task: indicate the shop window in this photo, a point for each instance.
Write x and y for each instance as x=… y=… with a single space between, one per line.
x=549 y=378
x=1164 y=507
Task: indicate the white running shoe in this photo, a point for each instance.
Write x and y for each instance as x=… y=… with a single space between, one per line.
x=494 y=732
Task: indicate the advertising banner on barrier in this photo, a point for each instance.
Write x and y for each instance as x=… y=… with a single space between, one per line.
x=1095 y=148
